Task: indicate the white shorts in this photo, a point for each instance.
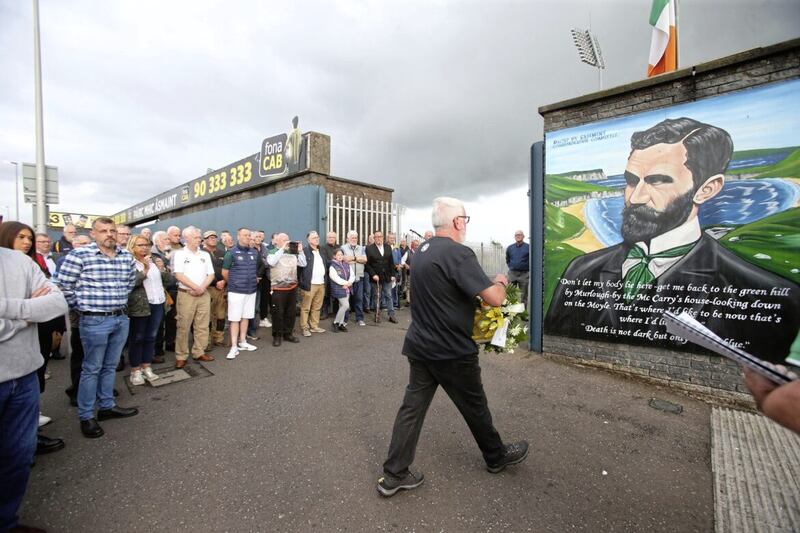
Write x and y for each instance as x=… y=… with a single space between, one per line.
x=241 y=306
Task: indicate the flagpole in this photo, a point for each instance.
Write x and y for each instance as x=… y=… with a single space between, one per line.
x=677 y=40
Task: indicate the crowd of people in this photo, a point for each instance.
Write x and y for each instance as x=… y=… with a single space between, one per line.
x=123 y=295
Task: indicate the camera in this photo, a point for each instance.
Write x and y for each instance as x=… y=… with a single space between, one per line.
x=293 y=247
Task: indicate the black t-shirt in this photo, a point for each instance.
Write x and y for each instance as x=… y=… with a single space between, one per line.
x=444 y=281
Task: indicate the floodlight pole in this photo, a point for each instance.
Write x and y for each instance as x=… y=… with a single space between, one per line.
x=41 y=206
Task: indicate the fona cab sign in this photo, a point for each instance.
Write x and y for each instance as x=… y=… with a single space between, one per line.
x=273 y=162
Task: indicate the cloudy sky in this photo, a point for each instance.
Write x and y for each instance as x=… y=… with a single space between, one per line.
x=428 y=97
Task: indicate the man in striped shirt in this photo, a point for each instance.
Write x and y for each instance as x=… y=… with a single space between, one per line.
x=96 y=280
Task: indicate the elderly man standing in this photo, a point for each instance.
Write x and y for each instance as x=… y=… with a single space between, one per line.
x=216 y=290
x=517 y=257
x=194 y=271
x=26 y=298
x=380 y=266
x=64 y=244
x=43 y=247
x=447 y=277
x=240 y=270
x=96 y=280
x=283 y=261
x=327 y=250
x=356 y=257
x=174 y=238
x=313 y=279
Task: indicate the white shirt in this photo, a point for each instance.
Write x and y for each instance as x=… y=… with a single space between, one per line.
x=51 y=265
x=152 y=284
x=380 y=249
x=686 y=233
x=194 y=265
x=318 y=272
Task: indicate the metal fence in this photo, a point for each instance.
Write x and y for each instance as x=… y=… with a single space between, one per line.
x=365 y=215
x=491 y=256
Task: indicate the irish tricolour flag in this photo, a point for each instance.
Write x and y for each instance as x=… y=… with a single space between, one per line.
x=664 y=43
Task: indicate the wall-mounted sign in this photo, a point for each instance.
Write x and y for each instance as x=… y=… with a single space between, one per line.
x=58 y=219
x=280 y=155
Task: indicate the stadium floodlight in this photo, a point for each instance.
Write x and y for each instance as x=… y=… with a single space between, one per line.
x=589 y=50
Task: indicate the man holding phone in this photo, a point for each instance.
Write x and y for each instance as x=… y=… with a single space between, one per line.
x=283 y=261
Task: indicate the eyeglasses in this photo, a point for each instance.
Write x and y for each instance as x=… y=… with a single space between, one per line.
x=465 y=217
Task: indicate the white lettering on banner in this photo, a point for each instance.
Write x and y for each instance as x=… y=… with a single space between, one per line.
x=156 y=206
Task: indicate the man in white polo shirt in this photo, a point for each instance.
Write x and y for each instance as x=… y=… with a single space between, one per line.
x=194 y=271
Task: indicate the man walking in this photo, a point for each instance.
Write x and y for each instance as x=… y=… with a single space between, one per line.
x=26 y=298
x=517 y=256
x=380 y=266
x=240 y=272
x=440 y=350
x=96 y=280
x=194 y=271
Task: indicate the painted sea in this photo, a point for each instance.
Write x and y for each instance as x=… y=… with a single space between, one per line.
x=739 y=202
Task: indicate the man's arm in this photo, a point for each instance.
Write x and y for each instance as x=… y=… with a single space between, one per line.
x=274 y=256
x=45 y=303
x=68 y=275
x=495 y=293
x=301 y=259
x=780 y=403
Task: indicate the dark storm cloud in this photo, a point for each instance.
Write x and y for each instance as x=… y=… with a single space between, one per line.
x=426 y=97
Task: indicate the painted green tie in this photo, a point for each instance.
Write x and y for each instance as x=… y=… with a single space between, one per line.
x=639 y=275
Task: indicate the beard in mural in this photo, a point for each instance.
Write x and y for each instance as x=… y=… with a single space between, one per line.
x=666 y=261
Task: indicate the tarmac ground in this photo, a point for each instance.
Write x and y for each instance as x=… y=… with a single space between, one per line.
x=293 y=438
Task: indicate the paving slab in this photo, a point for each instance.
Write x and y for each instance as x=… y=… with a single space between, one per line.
x=293 y=438
x=756 y=465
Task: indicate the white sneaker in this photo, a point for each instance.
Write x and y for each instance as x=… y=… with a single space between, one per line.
x=244 y=345
x=234 y=351
x=44 y=420
x=361 y=323
x=136 y=378
x=306 y=333
x=149 y=375
x=265 y=323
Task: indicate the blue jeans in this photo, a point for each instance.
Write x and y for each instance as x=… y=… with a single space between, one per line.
x=252 y=324
x=356 y=301
x=19 y=417
x=369 y=291
x=387 y=302
x=103 y=338
x=143 y=330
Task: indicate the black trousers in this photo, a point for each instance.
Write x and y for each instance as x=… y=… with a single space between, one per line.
x=284 y=311
x=75 y=360
x=461 y=380
x=264 y=287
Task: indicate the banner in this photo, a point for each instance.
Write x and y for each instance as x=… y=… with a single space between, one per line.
x=58 y=219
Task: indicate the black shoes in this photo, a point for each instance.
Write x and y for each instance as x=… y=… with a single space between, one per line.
x=392 y=319
x=342 y=327
x=513 y=454
x=389 y=486
x=91 y=429
x=117 y=412
x=47 y=445
x=276 y=341
x=290 y=338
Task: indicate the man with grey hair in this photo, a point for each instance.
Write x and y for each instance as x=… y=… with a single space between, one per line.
x=440 y=350
x=356 y=257
x=174 y=236
x=194 y=271
x=147 y=233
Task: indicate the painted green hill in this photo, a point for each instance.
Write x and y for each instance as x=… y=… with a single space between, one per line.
x=771 y=243
x=557 y=188
x=560 y=226
x=788 y=167
x=557 y=257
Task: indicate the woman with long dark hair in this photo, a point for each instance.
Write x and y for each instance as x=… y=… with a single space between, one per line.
x=20 y=237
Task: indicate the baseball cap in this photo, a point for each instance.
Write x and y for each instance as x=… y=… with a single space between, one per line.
x=209 y=233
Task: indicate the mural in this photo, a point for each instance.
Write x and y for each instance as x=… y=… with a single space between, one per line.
x=691 y=208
